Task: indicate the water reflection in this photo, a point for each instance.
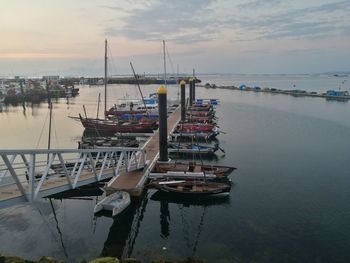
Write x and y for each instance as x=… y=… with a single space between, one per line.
x=185 y=202
x=124 y=230
x=24 y=109
x=58 y=229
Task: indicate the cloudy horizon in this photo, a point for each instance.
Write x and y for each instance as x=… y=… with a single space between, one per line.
x=213 y=36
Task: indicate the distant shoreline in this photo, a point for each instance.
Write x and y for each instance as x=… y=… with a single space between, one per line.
x=294 y=92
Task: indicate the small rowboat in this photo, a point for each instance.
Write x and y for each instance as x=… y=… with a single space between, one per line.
x=115 y=202
x=192 y=187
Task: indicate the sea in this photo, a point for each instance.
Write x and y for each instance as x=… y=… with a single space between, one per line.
x=289 y=200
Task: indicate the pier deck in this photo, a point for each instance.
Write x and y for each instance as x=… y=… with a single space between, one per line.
x=129 y=170
x=133 y=181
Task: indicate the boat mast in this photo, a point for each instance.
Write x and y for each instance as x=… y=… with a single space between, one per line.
x=164 y=63
x=105 y=78
x=50 y=118
x=178 y=82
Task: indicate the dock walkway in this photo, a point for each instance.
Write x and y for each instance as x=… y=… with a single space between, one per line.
x=133 y=182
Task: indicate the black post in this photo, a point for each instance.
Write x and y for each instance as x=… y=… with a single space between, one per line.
x=194 y=89
x=163 y=124
x=191 y=91
x=183 y=100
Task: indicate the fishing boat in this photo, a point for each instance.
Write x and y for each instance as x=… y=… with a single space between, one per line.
x=191 y=187
x=103 y=142
x=122 y=127
x=196 y=127
x=198 y=119
x=138 y=116
x=207 y=136
x=116 y=202
x=143 y=106
x=201 y=107
x=213 y=102
x=207 y=169
x=192 y=149
x=201 y=113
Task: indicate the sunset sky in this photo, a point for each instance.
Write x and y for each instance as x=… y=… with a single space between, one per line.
x=66 y=37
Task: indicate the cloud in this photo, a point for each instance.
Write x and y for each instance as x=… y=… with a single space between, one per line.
x=186 y=22
x=316 y=21
x=180 y=21
x=258 y=4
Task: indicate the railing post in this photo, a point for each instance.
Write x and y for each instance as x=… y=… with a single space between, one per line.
x=31 y=176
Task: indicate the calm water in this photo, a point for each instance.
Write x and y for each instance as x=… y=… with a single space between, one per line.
x=290 y=200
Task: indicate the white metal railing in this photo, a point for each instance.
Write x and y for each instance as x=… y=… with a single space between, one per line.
x=32 y=173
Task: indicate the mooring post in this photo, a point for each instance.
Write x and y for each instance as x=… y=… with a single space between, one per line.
x=194 y=89
x=191 y=91
x=163 y=124
x=183 y=100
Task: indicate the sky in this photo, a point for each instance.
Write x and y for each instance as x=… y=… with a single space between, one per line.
x=66 y=37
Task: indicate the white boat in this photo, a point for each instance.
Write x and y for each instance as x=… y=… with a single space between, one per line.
x=115 y=202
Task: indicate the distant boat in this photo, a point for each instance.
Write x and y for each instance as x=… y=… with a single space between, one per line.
x=116 y=202
x=336 y=93
x=2 y=97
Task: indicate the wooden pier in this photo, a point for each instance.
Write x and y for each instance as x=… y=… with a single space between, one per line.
x=133 y=182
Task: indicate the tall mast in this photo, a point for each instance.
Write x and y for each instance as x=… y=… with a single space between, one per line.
x=164 y=63
x=105 y=78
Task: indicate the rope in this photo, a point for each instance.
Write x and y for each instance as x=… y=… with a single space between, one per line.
x=112 y=61
x=55 y=131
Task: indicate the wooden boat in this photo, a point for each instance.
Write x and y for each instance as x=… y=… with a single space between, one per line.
x=201 y=113
x=207 y=136
x=191 y=187
x=191 y=149
x=183 y=167
x=200 y=107
x=213 y=102
x=115 y=202
x=112 y=126
x=198 y=119
x=196 y=127
x=147 y=105
x=139 y=116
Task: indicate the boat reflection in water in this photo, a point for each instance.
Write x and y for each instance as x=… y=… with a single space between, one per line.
x=124 y=230
x=184 y=202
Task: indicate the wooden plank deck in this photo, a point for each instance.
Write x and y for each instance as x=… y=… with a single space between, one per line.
x=133 y=181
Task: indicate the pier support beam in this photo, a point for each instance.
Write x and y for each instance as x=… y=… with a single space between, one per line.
x=183 y=100
x=163 y=124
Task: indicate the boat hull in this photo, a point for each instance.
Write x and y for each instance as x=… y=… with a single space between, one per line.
x=193 y=188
